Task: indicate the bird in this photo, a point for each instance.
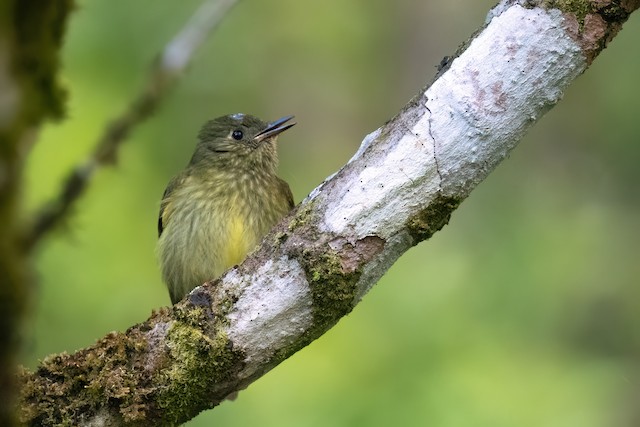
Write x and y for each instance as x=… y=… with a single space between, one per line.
x=218 y=209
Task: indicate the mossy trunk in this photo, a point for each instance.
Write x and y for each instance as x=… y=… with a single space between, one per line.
x=30 y=38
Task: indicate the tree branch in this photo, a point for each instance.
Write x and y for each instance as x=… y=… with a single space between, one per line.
x=397 y=190
x=165 y=72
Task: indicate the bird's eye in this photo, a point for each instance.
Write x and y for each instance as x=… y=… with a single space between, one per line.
x=237 y=134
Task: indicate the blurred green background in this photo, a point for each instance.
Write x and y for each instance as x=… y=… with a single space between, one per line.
x=524 y=311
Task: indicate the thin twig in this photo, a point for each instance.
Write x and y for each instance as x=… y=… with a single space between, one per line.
x=165 y=72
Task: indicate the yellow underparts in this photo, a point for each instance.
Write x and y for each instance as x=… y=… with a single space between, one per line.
x=237 y=244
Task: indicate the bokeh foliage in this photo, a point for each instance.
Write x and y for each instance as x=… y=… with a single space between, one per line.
x=524 y=311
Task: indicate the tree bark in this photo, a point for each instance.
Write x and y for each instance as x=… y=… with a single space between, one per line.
x=398 y=190
x=30 y=38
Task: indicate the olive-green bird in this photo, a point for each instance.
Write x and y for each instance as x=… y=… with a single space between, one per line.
x=222 y=204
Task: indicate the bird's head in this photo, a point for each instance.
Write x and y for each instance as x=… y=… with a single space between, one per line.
x=239 y=140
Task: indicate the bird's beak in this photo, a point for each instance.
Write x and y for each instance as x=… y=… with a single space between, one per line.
x=274 y=128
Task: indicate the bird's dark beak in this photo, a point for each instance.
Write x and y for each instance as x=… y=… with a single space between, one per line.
x=274 y=128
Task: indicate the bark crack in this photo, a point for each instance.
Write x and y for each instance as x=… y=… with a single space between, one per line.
x=435 y=145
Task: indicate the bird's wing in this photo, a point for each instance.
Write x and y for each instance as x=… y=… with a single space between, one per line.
x=163 y=217
x=287 y=192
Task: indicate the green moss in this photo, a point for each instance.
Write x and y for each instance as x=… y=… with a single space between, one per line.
x=83 y=382
x=332 y=287
x=427 y=222
x=194 y=316
x=333 y=292
x=580 y=8
x=302 y=215
x=610 y=11
x=185 y=387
